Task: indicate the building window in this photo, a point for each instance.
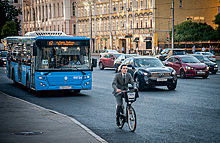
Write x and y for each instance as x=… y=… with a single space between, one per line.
x=74 y=29
x=92 y=10
x=85 y=27
x=146 y=4
x=108 y=25
x=54 y=28
x=131 y=24
x=151 y=4
x=125 y=24
x=93 y=27
x=116 y=7
x=151 y=23
x=50 y=28
x=219 y=9
x=81 y=12
x=120 y=7
x=146 y=23
x=108 y=8
x=15 y=1
x=97 y=10
x=62 y=28
x=100 y=9
x=54 y=10
x=113 y=25
x=73 y=10
x=50 y=11
x=62 y=9
x=43 y=12
x=130 y=5
x=113 y=8
x=141 y=4
x=85 y=13
x=58 y=28
x=105 y=26
x=116 y=25
x=58 y=10
x=121 y=25
x=46 y=12
x=98 y=27
x=104 y=9
x=101 y=26
x=136 y=5
x=181 y=4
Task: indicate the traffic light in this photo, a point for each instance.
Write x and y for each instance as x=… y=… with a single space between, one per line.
x=168 y=38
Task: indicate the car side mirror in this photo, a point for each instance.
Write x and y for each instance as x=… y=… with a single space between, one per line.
x=166 y=64
x=112 y=58
x=177 y=62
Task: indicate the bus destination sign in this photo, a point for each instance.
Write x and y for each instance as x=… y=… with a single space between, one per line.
x=60 y=43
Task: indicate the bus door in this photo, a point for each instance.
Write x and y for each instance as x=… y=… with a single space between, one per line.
x=19 y=63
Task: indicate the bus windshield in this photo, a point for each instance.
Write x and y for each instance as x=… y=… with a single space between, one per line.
x=63 y=58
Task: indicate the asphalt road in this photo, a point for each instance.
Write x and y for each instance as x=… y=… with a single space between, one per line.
x=191 y=113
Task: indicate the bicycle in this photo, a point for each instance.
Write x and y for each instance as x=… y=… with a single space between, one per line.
x=130 y=116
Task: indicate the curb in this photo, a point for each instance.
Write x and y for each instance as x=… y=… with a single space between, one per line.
x=55 y=112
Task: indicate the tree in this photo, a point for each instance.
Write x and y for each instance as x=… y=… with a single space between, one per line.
x=217 y=21
x=9 y=29
x=7 y=13
x=193 y=31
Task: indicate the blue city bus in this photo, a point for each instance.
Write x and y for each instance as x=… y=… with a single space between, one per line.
x=42 y=62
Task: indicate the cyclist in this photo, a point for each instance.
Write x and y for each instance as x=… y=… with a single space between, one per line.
x=120 y=83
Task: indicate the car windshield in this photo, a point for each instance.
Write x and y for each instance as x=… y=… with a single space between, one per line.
x=128 y=56
x=63 y=58
x=178 y=52
x=117 y=55
x=165 y=51
x=4 y=54
x=190 y=60
x=148 y=63
x=206 y=53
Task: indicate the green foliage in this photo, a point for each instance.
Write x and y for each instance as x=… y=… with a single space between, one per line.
x=8 y=13
x=9 y=29
x=217 y=21
x=193 y=31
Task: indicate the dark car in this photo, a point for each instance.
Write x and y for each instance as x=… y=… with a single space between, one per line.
x=3 y=58
x=168 y=52
x=120 y=59
x=186 y=65
x=213 y=67
x=149 y=71
x=107 y=60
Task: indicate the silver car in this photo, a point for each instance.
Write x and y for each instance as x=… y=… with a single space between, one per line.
x=208 y=55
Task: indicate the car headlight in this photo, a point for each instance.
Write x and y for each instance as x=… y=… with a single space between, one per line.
x=144 y=73
x=215 y=66
x=173 y=72
x=189 y=68
x=207 y=68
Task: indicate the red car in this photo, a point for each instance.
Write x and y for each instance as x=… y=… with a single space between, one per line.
x=107 y=60
x=186 y=65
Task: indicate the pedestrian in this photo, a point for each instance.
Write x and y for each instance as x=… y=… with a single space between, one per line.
x=156 y=48
x=193 y=49
x=132 y=49
x=210 y=47
x=203 y=49
x=123 y=50
x=160 y=49
x=137 y=50
x=213 y=50
x=105 y=47
x=118 y=49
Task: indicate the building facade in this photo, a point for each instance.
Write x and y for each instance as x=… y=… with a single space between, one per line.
x=49 y=15
x=125 y=24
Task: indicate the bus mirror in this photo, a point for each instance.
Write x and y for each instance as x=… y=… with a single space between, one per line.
x=34 y=49
x=94 y=62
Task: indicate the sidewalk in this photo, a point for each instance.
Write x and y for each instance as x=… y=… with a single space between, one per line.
x=21 y=121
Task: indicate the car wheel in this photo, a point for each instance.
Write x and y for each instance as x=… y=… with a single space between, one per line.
x=101 y=66
x=138 y=84
x=182 y=73
x=172 y=86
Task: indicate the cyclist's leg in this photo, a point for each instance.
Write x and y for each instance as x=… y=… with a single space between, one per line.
x=119 y=106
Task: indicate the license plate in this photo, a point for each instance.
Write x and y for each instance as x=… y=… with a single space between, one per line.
x=131 y=95
x=65 y=87
x=200 y=72
x=161 y=79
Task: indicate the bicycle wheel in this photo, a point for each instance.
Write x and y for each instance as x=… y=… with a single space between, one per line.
x=121 y=121
x=131 y=118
